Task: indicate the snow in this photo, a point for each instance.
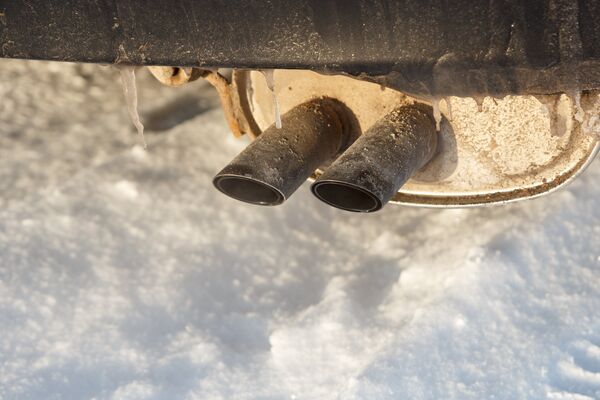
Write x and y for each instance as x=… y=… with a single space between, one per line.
x=125 y=275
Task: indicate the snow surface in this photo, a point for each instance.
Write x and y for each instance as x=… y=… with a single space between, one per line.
x=125 y=275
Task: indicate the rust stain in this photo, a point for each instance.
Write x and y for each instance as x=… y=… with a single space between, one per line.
x=238 y=124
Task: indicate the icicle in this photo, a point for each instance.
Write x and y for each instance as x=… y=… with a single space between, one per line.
x=578 y=113
x=550 y=104
x=479 y=100
x=448 y=108
x=130 y=91
x=557 y=116
x=437 y=115
x=270 y=79
x=592 y=125
x=250 y=95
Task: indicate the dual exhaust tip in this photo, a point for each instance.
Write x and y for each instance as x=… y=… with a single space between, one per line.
x=367 y=171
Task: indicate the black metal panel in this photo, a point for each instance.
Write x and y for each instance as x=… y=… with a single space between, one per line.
x=419 y=46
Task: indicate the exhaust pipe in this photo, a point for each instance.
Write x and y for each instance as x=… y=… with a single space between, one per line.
x=372 y=170
x=274 y=165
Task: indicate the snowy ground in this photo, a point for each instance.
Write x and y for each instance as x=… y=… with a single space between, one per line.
x=124 y=275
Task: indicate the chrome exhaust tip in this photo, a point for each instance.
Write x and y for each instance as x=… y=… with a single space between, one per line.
x=370 y=172
x=274 y=165
x=248 y=190
x=346 y=196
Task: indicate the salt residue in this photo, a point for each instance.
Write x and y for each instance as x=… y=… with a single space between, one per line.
x=129 y=89
x=270 y=79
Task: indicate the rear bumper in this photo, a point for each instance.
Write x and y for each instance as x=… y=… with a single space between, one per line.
x=454 y=47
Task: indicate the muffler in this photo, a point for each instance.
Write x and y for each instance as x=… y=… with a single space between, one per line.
x=380 y=161
x=274 y=165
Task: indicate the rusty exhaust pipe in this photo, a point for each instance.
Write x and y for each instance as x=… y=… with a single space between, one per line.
x=372 y=170
x=274 y=165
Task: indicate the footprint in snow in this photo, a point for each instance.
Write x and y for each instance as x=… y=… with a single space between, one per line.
x=577 y=376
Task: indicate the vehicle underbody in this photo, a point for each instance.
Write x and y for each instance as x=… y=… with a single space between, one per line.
x=432 y=103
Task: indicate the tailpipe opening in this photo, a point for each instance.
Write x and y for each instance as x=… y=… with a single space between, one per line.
x=380 y=161
x=249 y=190
x=274 y=165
